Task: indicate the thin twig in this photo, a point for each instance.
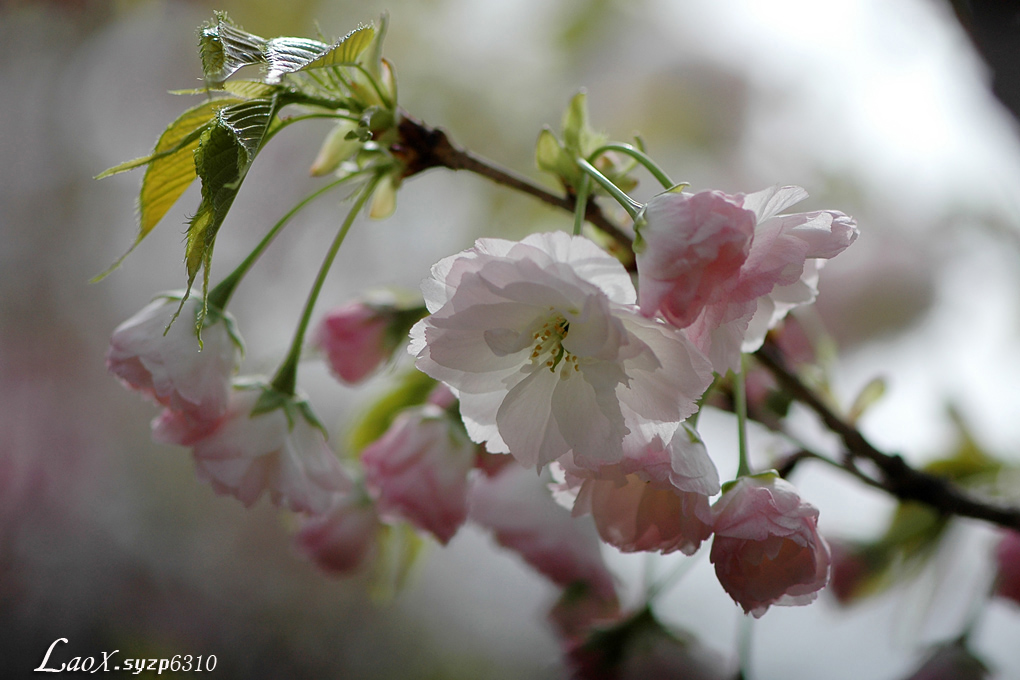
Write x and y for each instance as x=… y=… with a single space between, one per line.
x=422 y=147
x=898 y=478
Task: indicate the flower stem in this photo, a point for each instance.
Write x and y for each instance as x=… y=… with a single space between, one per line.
x=740 y=406
x=581 y=205
x=220 y=295
x=285 y=379
x=629 y=204
x=638 y=155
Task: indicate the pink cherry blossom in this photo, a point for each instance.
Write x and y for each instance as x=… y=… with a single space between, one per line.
x=419 y=470
x=643 y=503
x=1007 y=582
x=690 y=251
x=515 y=505
x=767 y=550
x=357 y=339
x=244 y=455
x=689 y=264
x=547 y=353
x=345 y=537
x=170 y=368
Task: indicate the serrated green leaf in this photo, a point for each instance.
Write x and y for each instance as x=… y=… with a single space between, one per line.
x=290 y=55
x=225 y=48
x=250 y=89
x=169 y=175
x=171 y=168
x=224 y=154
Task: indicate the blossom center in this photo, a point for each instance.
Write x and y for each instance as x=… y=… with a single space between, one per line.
x=548 y=350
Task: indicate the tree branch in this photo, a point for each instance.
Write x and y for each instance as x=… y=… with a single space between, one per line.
x=898 y=478
x=422 y=147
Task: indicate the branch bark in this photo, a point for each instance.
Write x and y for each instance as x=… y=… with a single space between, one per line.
x=421 y=147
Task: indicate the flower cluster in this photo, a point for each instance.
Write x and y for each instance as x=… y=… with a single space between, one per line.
x=546 y=355
x=557 y=359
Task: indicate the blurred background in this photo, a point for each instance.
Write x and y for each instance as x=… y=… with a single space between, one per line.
x=879 y=108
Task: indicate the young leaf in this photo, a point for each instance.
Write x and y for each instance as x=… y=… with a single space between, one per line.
x=289 y=55
x=224 y=154
x=224 y=48
x=171 y=168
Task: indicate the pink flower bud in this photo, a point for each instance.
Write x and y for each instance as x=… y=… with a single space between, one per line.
x=1007 y=582
x=767 y=550
x=244 y=455
x=694 y=246
x=729 y=268
x=343 y=539
x=357 y=340
x=170 y=368
x=418 y=470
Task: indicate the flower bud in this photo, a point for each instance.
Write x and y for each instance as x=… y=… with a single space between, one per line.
x=767 y=550
x=418 y=470
x=358 y=337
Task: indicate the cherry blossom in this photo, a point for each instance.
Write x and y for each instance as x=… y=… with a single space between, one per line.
x=360 y=336
x=702 y=269
x=644 y=503
x=418 y=470
x=244 y=454
x=542 y=343
x=345 y=537
x=767 y=549
x=168 y=365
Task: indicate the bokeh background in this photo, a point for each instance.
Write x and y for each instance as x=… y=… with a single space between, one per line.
x=880 y=108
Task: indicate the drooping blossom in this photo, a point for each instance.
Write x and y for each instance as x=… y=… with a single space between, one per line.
x=280 y=451
x=729 y=268
x=643 y=503
x=1007 y=556
x=419 y=469
x=171 y=368
x=517 y=508
x=542 y=343
x=360 y=336
x=345 y=537
x=767 y=549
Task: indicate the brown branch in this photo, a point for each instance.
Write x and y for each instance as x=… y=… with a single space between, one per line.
x=422 y=147
x=898 y=478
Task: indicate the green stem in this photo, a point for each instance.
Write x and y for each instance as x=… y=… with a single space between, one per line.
x=220 y=295
x=638 y=155
x=581 y=204
x=629 y=204
x=285 y=379
x=744 y=646
x=740 y=406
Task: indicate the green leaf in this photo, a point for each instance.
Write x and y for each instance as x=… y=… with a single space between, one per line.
x=224 y=154
x=290 y=55
x=870 y=394
x=224 y=48
x=171 y=168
